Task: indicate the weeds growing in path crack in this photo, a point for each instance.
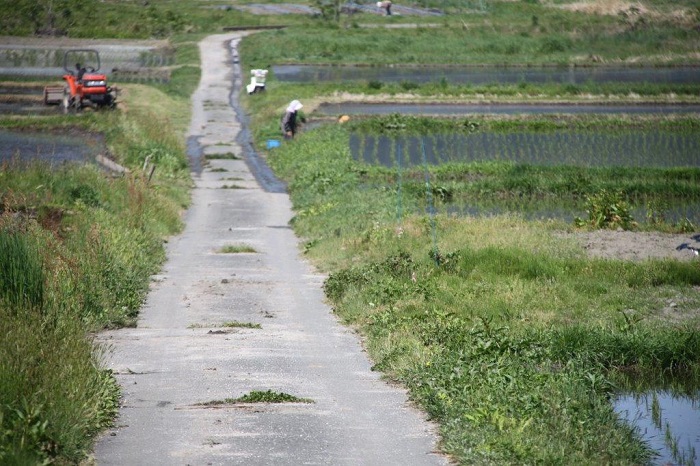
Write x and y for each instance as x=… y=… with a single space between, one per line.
x=256 y=396
x=237 y=249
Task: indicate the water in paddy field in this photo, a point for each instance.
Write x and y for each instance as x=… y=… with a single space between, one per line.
x=563 y=211
x=488 y=74
x=633 y=148
x=120 y=62
x=362 y=108
x=669 y=424
x=54 y=149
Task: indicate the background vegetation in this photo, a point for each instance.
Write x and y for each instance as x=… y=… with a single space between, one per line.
x=507 y=336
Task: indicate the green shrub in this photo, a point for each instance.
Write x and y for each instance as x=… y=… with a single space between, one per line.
x=608 y=209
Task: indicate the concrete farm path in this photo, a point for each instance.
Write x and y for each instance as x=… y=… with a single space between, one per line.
x=180 y=355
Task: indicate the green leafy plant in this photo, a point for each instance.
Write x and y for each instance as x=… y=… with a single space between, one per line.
x=609 y=209
x=257 y=396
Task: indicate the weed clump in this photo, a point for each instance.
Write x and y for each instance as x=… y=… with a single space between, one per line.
x=257 y=396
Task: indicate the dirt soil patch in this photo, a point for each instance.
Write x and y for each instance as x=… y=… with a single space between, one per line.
x=637 y=246
x=682 y=16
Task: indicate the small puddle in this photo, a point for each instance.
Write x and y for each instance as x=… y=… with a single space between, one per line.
x=357 y=108
x=668 y=423
x=52 y=148
x=487 y=75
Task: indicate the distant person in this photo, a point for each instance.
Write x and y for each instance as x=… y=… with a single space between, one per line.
x=386 y=4
x=289 y=119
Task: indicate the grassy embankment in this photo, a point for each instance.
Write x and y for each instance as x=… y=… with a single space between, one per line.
x=80 y=230
x=77 y=248
x=507 y=334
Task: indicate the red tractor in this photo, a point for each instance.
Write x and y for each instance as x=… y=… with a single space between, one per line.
x=85 y=86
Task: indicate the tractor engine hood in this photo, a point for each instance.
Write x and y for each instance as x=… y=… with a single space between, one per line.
x=94 y=80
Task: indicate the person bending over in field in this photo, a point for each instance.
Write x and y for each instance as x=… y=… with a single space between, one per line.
x=289 y=119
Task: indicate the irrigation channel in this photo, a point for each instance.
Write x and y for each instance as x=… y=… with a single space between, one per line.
x=477 y=75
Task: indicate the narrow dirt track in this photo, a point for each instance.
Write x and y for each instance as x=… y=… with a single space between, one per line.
x=180 y=355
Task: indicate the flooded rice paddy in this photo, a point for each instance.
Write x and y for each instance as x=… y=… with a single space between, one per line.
x=126 y=60
x=477 y=75
x=363 y=108
x=348 y=7
x=52 y=148
x=632 y=148
x=581 y=148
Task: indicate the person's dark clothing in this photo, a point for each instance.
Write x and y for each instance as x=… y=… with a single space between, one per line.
x=289 y=124
x=81 y=71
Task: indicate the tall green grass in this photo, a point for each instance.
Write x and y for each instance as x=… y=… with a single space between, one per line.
x=77 y=249
x=504 y=33
x=21 y=273
x=54 y=397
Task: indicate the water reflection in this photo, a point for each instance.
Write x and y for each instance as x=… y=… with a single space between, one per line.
x=670 y=424
x=542 y=210
x=54 y=149
x=634 y=148
x=488 y=74
x=361 y=108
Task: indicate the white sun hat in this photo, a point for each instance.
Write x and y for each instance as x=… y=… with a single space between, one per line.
x=294 y=105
